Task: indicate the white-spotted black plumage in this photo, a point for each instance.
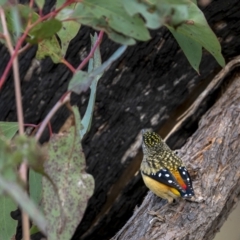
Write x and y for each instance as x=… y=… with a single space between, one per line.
x=163 y=165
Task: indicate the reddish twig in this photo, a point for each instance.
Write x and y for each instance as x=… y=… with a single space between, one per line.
x=31 y=3
x=24 y=48
x=66 y=96
x=50 y=129
x=69 y=65
x=23 y=167
x=97 y=43
x=23 y=37
x=50 y=115
x=13 y=56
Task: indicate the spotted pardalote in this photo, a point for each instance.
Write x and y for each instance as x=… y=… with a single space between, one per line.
x=162 y=170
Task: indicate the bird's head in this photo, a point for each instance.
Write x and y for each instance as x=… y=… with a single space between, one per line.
x=151 y=141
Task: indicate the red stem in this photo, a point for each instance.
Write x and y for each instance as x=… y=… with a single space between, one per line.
x=23 y=37
x=10 y=62
x=97 y=43
x=69 y=65
x=50 y=129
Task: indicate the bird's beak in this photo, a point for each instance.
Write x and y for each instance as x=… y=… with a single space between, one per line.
x=146 y=130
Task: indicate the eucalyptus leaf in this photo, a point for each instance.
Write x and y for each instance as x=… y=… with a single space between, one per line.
x=66 y=167
x=8 y=129
x=25 y=14
x=16 y=22
x=112 y=17
x=191 y=48
x=197 y=29
x=67 y=32
x=19 y=195
x=81 y=81
x=28 y=149
x=7 y=223
x=40 y=3
x=156 y=13
x=94 y=63
x=50 y=47
x=44 y=30
x=13 y=153
x=2 y=2
x=34 y=229
x=35 y=186
x=9 y=160
x=148 y=11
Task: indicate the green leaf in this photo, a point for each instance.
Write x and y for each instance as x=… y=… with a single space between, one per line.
x=44 y=30
x=35 y=188
x=112 y=17
x=81 y=81
x=16 y=21
x=94 y=63
x=2 y=2
x=69 y=28
x=191 y=49
x=7 y=223
x=8 y=129
x=66 y=167
x=21 y=148
x=197 y=29
x=34 y=229
x=22 y=199
x=9 y=160
x=148 y=11
x=29 y=150
x=13 y=153
x=158 y=12
x=67 y=33
x=49 y=47
x=25 y=14
x=40 y=3
x=59 y=3
x=17 y=18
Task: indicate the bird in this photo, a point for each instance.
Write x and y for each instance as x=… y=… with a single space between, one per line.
x=162 y=170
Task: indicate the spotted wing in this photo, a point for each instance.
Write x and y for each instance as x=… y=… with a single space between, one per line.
x=166 y=177
x=188 y=182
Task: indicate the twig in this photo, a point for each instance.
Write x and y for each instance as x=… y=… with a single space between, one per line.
x=97 y=43
x=50 y=129
x=23 y=167
x=85 y=61
x=47 y=119
x=66 y=97
x=13 y=56
x=24 y=48
x=64 y=61
x=23 y=37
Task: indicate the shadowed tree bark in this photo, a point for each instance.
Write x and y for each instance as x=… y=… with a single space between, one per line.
x=150 y=86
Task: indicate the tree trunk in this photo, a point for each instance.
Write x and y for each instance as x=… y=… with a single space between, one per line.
x=150 y=86
x=213 y=154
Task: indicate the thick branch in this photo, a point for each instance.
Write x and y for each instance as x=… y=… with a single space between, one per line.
x=213 y=153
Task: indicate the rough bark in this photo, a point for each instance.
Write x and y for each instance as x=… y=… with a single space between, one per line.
x=145 y=88
x=213 y=154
